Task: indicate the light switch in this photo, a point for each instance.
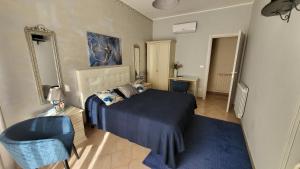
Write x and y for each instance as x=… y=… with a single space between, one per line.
x=202 y=66
x=67 y=88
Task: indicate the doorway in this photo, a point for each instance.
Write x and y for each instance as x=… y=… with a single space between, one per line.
x=223 y=66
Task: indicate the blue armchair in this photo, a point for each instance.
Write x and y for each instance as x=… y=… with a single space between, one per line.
x=40 y=141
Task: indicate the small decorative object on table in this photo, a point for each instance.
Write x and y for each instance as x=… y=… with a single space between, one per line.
x=56 y=98
x=177 y=66
x=142 y=76
x=139 y=85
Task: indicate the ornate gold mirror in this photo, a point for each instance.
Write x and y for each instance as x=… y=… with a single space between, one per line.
x=44 y=58
x=136 y=50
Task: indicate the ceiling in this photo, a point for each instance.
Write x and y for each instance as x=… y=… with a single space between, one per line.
x=184 y=7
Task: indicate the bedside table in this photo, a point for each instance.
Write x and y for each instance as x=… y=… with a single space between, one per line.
x=147 y=85
x=75 y=114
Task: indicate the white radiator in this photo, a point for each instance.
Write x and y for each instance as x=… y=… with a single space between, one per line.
x=220 y=83
x=223 y=82
x=240 y=100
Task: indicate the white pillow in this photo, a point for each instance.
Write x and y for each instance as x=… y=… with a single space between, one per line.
x=128 y=90
x=109 y=97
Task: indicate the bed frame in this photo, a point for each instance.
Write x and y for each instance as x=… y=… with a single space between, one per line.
x=94 y=80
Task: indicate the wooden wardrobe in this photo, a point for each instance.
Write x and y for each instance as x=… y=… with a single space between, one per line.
x=160 y=61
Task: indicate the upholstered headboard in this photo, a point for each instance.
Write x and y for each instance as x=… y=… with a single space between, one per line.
x=91 y=81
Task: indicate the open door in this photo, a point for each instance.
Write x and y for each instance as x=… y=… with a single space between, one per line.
x=235 y=70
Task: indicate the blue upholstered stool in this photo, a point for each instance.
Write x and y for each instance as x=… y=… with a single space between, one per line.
x=179 y=86
x=40 y=141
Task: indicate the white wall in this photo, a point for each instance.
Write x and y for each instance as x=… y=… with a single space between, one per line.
x=191 y=48
x=70 y=19
x=271 y=71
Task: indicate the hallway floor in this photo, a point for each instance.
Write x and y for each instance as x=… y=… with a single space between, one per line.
x=215 y=107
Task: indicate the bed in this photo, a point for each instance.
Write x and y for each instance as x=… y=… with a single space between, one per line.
x=154 y=119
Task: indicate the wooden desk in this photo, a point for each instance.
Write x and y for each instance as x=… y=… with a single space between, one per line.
x=191 y=79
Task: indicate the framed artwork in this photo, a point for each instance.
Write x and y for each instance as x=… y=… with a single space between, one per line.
x=103 y=50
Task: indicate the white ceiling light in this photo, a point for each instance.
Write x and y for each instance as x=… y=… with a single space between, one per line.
x=165 y=4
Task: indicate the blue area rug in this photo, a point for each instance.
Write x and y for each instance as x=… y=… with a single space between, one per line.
x=210 y=144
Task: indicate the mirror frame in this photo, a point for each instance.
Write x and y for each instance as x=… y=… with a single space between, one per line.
x=136 y=76
x=42 y=30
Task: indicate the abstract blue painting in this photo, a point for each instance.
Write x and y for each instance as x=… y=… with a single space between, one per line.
x=103 y=50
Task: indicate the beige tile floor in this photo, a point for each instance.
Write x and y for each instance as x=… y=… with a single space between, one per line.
x=215 y=107
x=107 y=151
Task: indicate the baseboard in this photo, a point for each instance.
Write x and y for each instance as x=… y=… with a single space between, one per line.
x=218 y=93
x=247 y=145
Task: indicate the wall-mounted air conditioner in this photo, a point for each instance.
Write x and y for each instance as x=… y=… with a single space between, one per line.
x=185 y=27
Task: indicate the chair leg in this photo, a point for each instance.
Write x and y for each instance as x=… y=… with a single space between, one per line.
x=75 y=151
x=66 y=164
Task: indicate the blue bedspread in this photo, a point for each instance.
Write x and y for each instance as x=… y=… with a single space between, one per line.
x=154 y=119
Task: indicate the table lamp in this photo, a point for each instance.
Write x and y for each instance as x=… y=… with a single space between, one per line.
x=56 y=98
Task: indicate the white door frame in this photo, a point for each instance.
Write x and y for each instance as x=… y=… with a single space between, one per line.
x=236 y=69
x=208 y=58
